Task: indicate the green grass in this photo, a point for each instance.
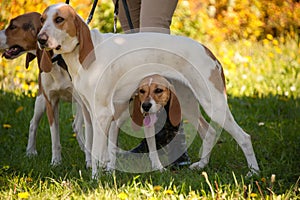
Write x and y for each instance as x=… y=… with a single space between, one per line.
x=264 y=93
x=271 y=121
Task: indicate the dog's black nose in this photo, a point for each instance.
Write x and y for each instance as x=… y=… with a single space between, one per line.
x=146 y=106
x=43 y=38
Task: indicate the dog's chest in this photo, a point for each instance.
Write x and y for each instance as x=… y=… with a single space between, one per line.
x=57 y=84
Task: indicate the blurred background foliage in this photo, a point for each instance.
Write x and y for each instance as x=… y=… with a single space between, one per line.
x=257 y=41
x=222 y=19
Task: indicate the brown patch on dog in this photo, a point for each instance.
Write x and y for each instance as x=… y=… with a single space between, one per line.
x=75 y=26
x=135 y=112
x=68 y=15
x=174 y=110
x=216 y=73
x=44 y=60
x=204 y=125
x=49 y=110
x=210 y=54
x=216 y=79
x=23 y=30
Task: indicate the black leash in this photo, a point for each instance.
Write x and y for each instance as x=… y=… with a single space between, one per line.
x=89 y=19
x=60 y=61
x=116 y=12
x=92 y=12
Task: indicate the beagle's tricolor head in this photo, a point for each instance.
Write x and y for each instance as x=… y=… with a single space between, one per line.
x=154 y=93
x=21 y=35
x=63 y=30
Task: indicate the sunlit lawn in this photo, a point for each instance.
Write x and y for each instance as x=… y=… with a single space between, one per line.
x=263 y=82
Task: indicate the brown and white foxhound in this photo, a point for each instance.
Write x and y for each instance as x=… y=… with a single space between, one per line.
x=20 y=37
x=98 y=63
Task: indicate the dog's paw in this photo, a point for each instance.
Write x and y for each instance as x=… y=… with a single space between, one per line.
x=197 y=165
x=109 y=170
x=252 y=173
x=88 y=164
x=163 y=169
x=31 y=153
x=159 y=168
x=56 y=161
x=110 y=167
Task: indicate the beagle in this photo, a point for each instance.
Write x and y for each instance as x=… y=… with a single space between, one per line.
x=154 y=94
x=107 y=68
x=20 y=37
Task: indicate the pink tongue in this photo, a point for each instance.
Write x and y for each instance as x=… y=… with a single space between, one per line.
x=150 y=119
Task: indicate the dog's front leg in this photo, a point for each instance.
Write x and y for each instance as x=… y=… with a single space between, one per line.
x=78 y=126
x=52 y=113
x=39 y=109
x=150 y=137
x=88 y=130
x=101 y=125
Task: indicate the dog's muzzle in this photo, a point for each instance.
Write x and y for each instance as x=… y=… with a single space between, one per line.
x=43 y=39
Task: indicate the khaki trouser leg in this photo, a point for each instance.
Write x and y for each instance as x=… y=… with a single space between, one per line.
x=156 y=15
x=149 y=15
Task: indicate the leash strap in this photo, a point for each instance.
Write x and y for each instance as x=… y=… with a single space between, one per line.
x=89 y=19
x=116 y=12
x=61 y=62
x=92 y=12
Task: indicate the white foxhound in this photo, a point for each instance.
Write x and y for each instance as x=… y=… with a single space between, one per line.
x=98 y=62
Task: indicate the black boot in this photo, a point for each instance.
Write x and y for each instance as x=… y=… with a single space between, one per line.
x=141 y=148
x=162 y=138
x=175 y=139
x=177 y=149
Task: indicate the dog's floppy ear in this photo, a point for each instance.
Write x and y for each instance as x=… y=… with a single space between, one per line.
x=174 y=108
x=29 y=58
x=44 y=60
x=86 y=47
x=135 y=111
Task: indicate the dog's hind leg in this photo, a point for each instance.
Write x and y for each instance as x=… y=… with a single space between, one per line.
x=39 y=109
x=219 y=112
x=112 y=146
x=209 y=140
x=244 y=141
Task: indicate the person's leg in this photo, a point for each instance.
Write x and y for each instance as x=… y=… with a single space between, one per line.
x=177 y=149
x=134 y=7
x=156 y=15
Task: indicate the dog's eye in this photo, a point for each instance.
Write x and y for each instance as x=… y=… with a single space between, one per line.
x=59 y=20
x=42 y=20
x=12 y=27
x=26 y=26
x=142 y=91
x=158 y=90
